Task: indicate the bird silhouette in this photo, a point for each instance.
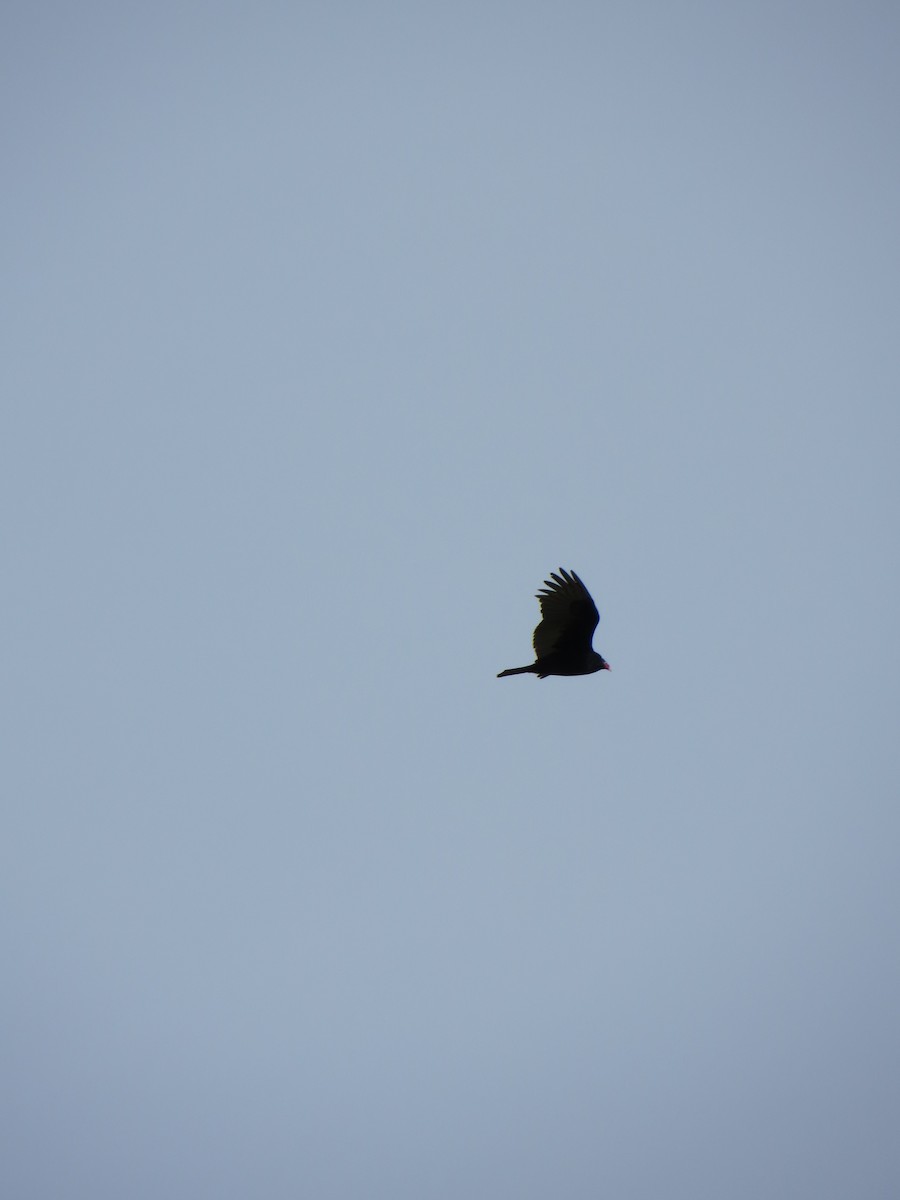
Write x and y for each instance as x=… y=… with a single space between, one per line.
x=562 y=640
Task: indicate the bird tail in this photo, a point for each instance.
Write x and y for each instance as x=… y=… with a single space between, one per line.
x=529 y=670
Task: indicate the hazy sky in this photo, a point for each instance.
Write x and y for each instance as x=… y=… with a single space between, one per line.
x=328 y=330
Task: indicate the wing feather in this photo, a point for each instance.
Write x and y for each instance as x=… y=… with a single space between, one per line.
x=569 y=615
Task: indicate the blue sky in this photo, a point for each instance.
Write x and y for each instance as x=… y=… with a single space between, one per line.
x=328 y=332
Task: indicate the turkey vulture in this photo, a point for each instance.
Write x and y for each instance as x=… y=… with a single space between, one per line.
x=562 y=641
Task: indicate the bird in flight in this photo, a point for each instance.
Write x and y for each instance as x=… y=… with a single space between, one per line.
x=562 y=641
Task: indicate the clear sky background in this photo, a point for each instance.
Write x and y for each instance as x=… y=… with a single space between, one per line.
x=329 y=329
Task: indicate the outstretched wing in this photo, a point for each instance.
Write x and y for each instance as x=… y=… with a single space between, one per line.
x=569 y=615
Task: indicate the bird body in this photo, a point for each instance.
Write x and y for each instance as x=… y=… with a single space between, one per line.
x=562 y=640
